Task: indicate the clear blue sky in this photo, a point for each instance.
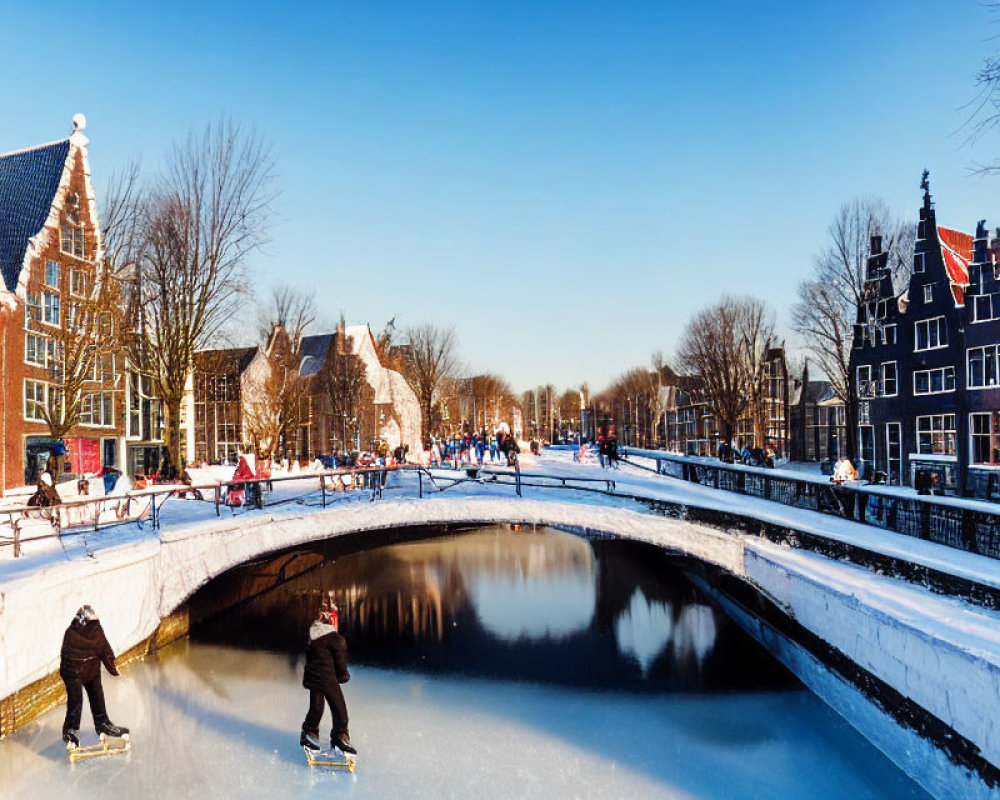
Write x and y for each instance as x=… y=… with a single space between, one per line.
x=565 y=182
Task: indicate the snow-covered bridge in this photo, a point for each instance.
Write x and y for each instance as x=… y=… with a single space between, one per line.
x=917 y=672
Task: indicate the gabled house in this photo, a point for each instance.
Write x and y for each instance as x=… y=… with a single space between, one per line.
x=817 y=420
x=906 y=365
x=51 y=262
x=330 y=392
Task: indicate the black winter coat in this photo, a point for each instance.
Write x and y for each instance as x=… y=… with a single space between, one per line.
x=326 y=658
x=84 y=647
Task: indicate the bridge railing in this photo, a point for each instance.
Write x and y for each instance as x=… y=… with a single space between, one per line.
x=968 y=525
x=323 y=488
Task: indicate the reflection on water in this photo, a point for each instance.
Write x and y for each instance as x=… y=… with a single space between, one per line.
x=542 y=606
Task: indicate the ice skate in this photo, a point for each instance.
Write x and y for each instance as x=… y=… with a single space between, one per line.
x=309 y=741
x=108 y=728
x=105 y=731
x=333 y=759
x=342 y=741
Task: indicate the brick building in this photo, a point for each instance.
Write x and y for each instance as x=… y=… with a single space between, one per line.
x=51 y=259
x=226 y=386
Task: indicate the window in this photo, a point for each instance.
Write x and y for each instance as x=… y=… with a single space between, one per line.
x=34 y=349
x=34 y=400
x=71 y=240
x=77 y=282
x=918 y=262
x=887 y=375
x=982 y=367
x=928 y=293
x=934 y=381
x=985 y=307
x=51 y=309
x=864 y=378
x=97 y=408
x=931 y=334
x=936 y=434
x=984 y=438
x=32 y=308
x=889 y=334
x=52 y=274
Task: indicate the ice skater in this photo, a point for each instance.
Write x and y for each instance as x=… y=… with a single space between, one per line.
x=326 y=669
x=84 y=647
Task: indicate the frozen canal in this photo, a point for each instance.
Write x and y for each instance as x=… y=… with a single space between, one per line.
x=491 y=664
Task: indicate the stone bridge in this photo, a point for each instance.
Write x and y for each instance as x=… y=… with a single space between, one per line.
x=917 y=673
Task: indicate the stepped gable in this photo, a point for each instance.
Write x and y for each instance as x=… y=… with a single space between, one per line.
x=29 y=180
x=956 y=251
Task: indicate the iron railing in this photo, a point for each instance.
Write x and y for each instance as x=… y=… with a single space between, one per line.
x=963 y=525
x=323 y=488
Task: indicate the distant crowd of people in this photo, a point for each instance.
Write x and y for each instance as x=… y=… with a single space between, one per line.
x=472 y=448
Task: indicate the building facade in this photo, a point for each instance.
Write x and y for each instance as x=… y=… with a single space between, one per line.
x=925 y=362
x=233 y=392
x=56 y=366
x=817 y=421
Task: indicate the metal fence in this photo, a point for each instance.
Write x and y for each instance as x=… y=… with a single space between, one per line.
x=954 y=524
x=321 y=489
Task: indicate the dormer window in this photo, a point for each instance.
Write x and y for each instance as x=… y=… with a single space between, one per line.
x=928 y=293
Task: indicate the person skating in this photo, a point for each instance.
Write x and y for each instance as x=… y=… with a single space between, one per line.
x=84 y=648
x=325 y=670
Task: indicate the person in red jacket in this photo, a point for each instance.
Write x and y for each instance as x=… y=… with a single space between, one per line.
x=84 y=649
x=326 y=669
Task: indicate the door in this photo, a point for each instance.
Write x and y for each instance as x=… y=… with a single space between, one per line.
x=109 y=456
x=866 y=449
x=894 y=451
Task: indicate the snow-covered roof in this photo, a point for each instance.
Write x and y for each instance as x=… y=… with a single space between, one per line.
x=29 y=180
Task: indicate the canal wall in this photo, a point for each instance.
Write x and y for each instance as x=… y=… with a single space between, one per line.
x=916 y=672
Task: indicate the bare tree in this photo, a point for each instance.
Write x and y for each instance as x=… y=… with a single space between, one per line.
x=275 y=400
x=828 y=301
x=344 y=383
x=431 y=356
x=81 y=354
x=293 y=308
x=756 y=330
x=662 y=376
x=491 y=397
x=715 y=350
x=208 y=211
x=122 y=201
x=984 y=109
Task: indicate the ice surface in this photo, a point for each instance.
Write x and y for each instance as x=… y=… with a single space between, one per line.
x=215 y=722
